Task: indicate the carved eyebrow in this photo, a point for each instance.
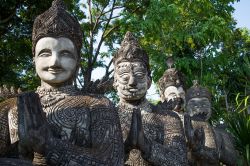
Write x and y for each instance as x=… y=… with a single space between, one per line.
x=123 y=70
x=44 y=50
x=140 y=69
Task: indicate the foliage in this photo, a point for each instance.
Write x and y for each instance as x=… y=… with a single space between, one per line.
x=239 y=125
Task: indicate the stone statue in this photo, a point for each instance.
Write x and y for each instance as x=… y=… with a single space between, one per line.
x=149 y=138
x=171 y=87
x=59 y=125
x=207 y=146
x=6 y=92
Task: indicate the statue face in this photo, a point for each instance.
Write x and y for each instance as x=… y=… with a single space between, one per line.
x=199 y=107
x=55 y=60
x=177 y=95
x=173 y=92
x=131 y=80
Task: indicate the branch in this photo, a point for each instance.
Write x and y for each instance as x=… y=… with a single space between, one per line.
x=102 y=37
x=114 y=8
x=8 y=18
x=111 y=18
x=98 y=18
x=90 y=35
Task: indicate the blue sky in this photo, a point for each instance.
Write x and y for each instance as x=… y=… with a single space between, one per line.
x=242 y=13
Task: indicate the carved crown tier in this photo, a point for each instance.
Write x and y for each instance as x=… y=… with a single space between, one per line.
x=197 y=91
x=130 y=50
x=57 y=22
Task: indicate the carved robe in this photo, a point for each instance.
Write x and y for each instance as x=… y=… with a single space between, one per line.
x=164 y=132
x=86 y=129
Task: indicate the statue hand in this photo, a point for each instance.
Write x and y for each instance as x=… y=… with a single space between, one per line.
x=39 y=139
x=195 y=137
x=131 y=141
x=188 y=128
x=142 y=142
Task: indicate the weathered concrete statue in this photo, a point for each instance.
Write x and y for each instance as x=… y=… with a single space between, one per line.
x=58 y=125
x=149 y=138
x=207 y=146
x=171 y=87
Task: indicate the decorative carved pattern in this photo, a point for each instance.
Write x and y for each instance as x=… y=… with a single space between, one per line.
x=150 y=138
x=57 y=22
x=131 y=51
x=197 y=91
x=6 y=92
x=165 y=134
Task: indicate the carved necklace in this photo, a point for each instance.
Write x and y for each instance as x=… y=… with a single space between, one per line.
x=51 y=96
x=144 y=106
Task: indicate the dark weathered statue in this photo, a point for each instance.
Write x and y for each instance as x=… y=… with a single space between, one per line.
x=150 y=138
x=207 y=145
x=58 y=124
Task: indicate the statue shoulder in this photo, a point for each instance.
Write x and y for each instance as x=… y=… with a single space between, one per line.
x=98 y=101
x=8 y=104
x=159 y=109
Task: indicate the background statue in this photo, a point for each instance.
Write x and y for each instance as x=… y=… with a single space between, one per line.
x=208 y=146
x=149 y=138
x=171 y=87
x=58 y=125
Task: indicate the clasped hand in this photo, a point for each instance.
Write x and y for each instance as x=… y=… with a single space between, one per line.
x=136 y=138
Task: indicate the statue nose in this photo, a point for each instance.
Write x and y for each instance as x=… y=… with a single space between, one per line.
x=54 y=61
x=132 y=81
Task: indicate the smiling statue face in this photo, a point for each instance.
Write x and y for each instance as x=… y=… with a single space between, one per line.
x=55 y=61
x=131 y=80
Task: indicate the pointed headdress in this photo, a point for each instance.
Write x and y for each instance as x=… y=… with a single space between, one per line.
x=171 y=77
x=130 y=50
x=57 y=22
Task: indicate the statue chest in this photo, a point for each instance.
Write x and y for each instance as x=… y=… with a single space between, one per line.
x=152 y=126
x=69 y=122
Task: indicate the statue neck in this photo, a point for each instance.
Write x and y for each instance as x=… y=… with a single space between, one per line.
x=46 y=85
x=142 y=104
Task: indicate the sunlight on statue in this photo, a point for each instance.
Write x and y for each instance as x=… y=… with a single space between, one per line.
x=59 y=124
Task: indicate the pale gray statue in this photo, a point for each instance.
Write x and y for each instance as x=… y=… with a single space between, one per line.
x=149 y=138
x=58 y=124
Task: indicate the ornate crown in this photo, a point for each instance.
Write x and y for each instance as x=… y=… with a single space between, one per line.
x=197 y=91
x=130 y=50
x=171 y=77
x=57 y=22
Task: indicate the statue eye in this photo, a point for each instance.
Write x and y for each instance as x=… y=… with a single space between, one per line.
x=140 y=75
x=66 y=53
x=44 y=54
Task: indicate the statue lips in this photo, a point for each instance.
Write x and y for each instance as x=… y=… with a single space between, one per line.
x=55 y=70
x=132 y=90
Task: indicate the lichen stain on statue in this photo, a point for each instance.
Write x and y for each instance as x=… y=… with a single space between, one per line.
x=205 y=142
x=59 y=125
x=147 y=140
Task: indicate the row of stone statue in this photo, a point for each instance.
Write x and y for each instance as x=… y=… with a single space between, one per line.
x=60 y=125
